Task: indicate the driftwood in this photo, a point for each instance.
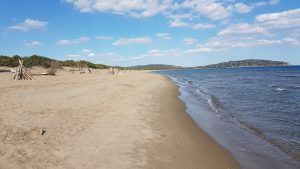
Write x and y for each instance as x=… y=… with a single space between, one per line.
x=7 y=70
x=113 y=71
x=85 y=70
x=4 y=70
x=74 y=70
x=21 y=73
x=12 y=71
x=50 y=72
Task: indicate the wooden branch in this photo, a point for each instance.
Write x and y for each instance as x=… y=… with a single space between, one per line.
x=21 y=72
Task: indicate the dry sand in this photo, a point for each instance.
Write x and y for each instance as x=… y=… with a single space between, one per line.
x=73 y=121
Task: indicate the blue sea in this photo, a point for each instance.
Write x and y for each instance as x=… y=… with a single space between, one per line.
x=252 y=112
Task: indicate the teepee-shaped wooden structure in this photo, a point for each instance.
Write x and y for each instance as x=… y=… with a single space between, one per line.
x=113 y=70
x=110 y=70
x=21 y=73
x=85 y=70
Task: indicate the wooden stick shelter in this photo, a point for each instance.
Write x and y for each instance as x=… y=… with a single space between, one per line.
x=85 y=70
x=113 y=71
x=21 y=73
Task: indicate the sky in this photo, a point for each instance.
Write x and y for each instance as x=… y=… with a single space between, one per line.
x=138 y=32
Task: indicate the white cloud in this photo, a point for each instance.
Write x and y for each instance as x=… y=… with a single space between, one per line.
x=29 y=24
x=88 y=53
x=177 y=11
x=291 y=14
x=268 y=29
x=242 y=29
x=104 y=37
x=180 y=16
x=271 y=24
x=133 y=8
x=113 y=57
x=216 y=9
x=132 y=41
x=91 y=54
x=274 y=2
x=292 y=41
x=73 y=57
x=162 y=53
x=267 y=42
x=264 y=3
x=223 y=43
x=203 y=26
x=189 y=41
x=82 y=39
x=211 y=9
x=178 y=23
x=138 y=57
x=86 y=56
x=242 y=8
x=33 y=43
x=200 y=50
x=282 y=21
x=261 y=3
x=86 y=50
x=165 y=36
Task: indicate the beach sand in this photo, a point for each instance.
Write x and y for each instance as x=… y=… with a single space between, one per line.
x=130 y=120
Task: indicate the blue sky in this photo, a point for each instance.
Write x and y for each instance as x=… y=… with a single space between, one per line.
x=133 y=32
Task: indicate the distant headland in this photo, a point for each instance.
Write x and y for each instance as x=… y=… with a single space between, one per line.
x=230 y=64
x=246 y=63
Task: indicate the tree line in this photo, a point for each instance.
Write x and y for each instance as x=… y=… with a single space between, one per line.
x=36 y=60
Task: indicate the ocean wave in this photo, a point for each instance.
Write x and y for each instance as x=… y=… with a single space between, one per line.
x=201 y=92
x=214 y=103
x=280 y=89
x=178 y=80
x=263 y=136
x=183 y=81
x=284 y=87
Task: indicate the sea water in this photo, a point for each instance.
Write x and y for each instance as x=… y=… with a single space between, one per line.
x=252 y=112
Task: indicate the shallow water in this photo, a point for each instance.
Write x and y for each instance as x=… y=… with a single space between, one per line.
x=252 y=112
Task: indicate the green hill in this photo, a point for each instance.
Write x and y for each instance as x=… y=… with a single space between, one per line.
x=246 y=63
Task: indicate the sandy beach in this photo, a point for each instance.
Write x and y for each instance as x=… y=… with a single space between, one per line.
x=130 y=120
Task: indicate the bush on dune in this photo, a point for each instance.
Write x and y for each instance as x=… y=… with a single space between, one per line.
x=33 y=60
x=36 y=60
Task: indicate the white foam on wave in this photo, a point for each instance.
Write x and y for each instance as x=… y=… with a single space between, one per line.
x=212 y=102
x=198 y=91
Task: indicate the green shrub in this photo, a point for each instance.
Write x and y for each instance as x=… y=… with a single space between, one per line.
x=36 y=60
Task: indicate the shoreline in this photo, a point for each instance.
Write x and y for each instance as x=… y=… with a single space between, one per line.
x=250 y=150
x=131 y=120
x=215 y=155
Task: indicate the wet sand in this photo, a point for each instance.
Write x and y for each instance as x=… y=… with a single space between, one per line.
x=130 y=120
